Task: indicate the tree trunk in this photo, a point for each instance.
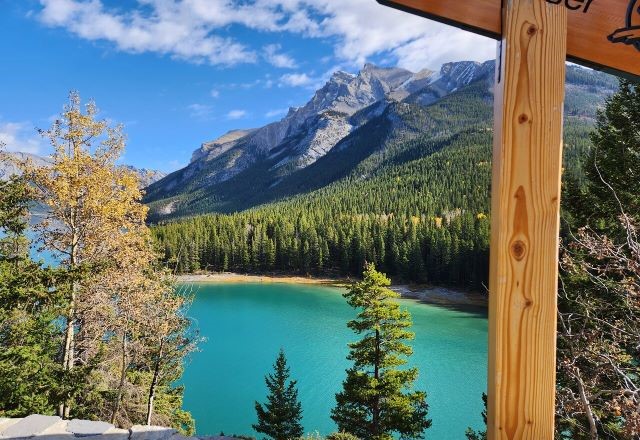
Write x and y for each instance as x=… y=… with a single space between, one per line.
x=123 y=372
x=154 y=383
x=68 y=356
x=375 y=413
x=593 y=430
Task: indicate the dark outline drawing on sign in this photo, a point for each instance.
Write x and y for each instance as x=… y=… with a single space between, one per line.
x=631 y=33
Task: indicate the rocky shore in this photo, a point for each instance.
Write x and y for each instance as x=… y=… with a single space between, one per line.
x=39 y=427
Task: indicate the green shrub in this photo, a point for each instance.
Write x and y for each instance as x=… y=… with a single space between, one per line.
x=341 y=436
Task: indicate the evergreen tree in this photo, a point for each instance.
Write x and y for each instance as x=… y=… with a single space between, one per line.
x=377 y=399
x=612 y=165
x=280 y=417
x=31 y=379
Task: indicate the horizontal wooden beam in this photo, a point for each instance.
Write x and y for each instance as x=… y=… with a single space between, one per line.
x=590 y=24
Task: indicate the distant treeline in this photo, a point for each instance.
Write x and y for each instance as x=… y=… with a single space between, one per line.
x=417 y=249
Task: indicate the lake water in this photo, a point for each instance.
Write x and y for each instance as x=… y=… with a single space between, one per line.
x=246 y=324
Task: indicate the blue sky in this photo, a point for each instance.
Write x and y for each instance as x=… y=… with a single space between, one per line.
x=177 y=73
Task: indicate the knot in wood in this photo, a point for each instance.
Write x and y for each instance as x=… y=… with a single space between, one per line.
x=518 y=249
x=532 y=30
x=523 y=118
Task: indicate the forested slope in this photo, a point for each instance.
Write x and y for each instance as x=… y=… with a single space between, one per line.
x=411 y=197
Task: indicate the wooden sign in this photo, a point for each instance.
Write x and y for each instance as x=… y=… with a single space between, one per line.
x=603 y=34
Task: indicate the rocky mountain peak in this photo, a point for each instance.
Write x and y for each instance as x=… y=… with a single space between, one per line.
x=391 y=77
x=348 y=117
x=341 y=76
x=219 y=145
x=461 y=73
x=343 y=94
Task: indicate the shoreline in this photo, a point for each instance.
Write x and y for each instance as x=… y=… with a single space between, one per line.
x=441 y=296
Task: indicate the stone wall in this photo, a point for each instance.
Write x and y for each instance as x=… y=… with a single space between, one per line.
x=38 y=427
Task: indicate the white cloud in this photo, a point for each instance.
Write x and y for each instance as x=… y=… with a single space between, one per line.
x=200 y=111
x=296 y=79
x=272 y=55
x=214 y=93
x=196 y=30
x=433 y=51
x=366 y=28
x=236 y=114
x=172 y=28
x=21 y=137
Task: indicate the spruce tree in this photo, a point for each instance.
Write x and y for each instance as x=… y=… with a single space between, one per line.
x=280 y=417
x=612 y=167
x=378 y=400
x=31 y=380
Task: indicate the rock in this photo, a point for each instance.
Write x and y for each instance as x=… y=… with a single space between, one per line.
x=30 y=426
x=85 y=428
x=5 y=423
x=143 y=432
x=181 y=437
x=57 y=431
x=38 y=427
x=116 y=434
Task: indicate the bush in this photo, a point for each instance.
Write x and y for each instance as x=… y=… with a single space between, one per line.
x=341 y=436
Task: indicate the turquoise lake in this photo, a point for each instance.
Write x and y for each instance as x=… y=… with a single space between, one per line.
x=246 y=324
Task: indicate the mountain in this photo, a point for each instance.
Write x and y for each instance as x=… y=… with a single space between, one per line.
x=8 y=167
x=351 y=127
x=146 y=176
x=8 y=161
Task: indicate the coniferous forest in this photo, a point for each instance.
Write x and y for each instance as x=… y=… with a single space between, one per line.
x=417 y=206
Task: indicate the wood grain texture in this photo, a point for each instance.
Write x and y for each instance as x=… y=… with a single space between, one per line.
x=587 y=36
x=525 y=198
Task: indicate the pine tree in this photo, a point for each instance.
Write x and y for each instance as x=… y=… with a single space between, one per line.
x=280 y=417
x=377 y=400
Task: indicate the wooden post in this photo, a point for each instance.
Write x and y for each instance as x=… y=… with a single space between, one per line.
x=527 y=160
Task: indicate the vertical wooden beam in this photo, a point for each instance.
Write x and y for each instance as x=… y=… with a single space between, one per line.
x=527 y=159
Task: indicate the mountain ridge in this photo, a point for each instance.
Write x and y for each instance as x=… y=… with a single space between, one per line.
x=9 y=168
x=244 y=168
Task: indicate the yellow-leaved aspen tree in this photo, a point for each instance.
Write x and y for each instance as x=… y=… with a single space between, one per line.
x=93 y=210
x=169 y=338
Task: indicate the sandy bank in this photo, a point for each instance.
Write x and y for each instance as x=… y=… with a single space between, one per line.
x=427 y=294
x=241 y=278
